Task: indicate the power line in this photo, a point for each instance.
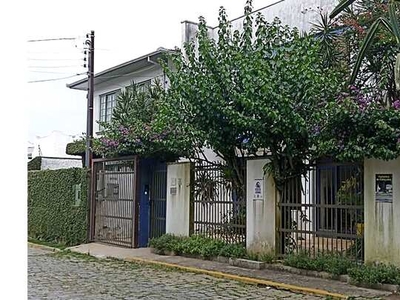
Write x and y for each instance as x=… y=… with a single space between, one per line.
x=54 y=67
x=55 y=79
x=55 y=39
x=54 y=59
x=46 y=72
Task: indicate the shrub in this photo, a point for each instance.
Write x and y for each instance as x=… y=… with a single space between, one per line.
x=197 y=245
x=166 y=242
x=331 y=263
x=375 y=274
x=54 y=215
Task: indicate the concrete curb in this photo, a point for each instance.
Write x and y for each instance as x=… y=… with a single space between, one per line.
x=43 y=247
x=243 y=279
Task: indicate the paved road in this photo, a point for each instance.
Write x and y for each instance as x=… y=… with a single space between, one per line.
x=61 y=276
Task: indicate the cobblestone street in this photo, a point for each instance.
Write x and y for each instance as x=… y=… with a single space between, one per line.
x=69 y=276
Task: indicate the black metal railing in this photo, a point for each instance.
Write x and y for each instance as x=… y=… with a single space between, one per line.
x=323 y=212
x=219 y=203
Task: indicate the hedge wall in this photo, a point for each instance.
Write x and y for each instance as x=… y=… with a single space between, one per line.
x=35 y=164
x=55 y=214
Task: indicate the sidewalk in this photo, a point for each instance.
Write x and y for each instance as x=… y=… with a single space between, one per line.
x=276 y=279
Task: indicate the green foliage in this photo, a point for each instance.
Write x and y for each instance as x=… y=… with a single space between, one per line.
x=258 y=89
x=197 y=245
x=35 y=164
x=132 y=129
x=52 y=214
x=77 y=147
x=266 y=257
x=375 y=274
x=331 y=263
x=356 y=128
x=371 y=39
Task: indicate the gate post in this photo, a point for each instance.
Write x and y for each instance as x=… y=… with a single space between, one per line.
x=261 y=209
x=382 y=211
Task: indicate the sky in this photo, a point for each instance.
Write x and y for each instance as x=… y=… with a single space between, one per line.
x=124 y=30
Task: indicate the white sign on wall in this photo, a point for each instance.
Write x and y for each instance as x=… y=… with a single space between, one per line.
x=258 y=189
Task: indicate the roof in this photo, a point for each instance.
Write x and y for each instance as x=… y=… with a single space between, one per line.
x=121 y=69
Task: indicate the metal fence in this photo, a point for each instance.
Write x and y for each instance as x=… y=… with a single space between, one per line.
x=113 y=205
x=323 y=212
x=219 y=204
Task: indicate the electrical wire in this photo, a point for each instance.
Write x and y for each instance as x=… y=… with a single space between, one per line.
x=54 y=67
x=54 y=59
x=54 y=39
x=55 y=79
x=46 y=72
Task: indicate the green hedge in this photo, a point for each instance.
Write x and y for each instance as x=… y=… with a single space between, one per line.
x=76 y=148
x=35 y=164
x=54 y=214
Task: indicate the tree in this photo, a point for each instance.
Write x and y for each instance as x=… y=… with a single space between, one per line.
x=132 y=129
x=259 y=89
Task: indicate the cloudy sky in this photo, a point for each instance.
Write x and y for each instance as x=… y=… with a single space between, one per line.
x=124 y=30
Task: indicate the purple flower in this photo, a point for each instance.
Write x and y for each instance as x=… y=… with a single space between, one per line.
x=123 y=130
x=396 y=104
x=109 y=143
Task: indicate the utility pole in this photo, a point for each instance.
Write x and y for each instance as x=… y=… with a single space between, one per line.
x=89 y=119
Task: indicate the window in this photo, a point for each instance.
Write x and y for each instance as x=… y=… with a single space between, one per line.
x=144 y=85
x=107 y=104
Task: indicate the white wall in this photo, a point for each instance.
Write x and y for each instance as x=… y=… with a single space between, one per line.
x=178 y=199
x=294 y=13
x=382 y=219
x=63 y=163
x=53 y=145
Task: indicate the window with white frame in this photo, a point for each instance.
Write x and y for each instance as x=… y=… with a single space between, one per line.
x=107 y=104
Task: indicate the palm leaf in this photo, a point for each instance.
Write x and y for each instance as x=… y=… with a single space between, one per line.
x=340 y=7
x=394 y=21
x=367 y=42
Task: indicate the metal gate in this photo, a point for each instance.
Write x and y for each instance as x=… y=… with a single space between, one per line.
x=113 y=206
x=158 y=201
x=323 y=212
x=218 y=203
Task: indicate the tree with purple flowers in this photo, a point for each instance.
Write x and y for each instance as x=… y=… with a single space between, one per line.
x=133 y=128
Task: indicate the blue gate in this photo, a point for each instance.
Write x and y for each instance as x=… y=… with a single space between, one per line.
x=152 y=203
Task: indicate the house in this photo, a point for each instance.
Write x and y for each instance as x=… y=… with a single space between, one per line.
x=48 y=152
x=321 y=212
x=109 y=186
x=108 y=83
x=51 y=145
x=30 y=148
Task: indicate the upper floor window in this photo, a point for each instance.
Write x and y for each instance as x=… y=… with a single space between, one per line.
x=107 y=104
x=144 y=85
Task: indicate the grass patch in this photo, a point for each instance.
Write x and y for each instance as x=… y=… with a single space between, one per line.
x=49 y=244
x=375 y=274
